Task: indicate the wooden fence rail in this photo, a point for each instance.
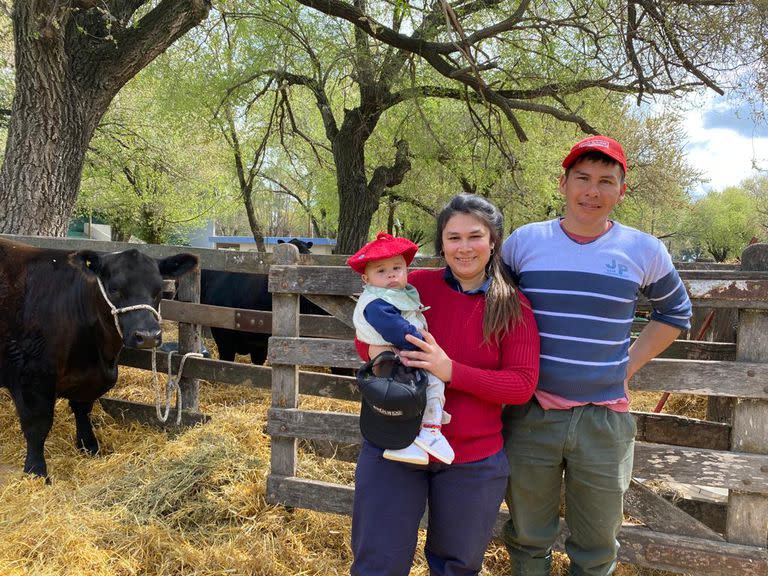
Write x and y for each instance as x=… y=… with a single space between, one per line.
x=224 y=260
x=668 y=449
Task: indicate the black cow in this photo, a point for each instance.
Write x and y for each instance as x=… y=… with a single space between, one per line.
x=249 y=292
x=304 y=247
x=64 y=316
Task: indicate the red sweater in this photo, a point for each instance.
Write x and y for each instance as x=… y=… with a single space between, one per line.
x=484 y=376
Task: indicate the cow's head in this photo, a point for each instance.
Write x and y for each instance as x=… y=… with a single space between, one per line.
x=132 y=279
x=304 y=247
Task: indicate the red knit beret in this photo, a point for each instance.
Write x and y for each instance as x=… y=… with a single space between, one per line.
x=385 y=246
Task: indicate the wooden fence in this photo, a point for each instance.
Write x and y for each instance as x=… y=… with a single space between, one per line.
x=711 y=538
x=669 y=448
x=191 y=315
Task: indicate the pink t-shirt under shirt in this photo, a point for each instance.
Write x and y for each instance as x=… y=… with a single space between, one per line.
x=550 y=401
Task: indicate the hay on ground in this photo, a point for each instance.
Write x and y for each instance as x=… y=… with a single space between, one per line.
x=188 y=505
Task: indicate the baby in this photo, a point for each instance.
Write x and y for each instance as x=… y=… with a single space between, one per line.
x=388 y=309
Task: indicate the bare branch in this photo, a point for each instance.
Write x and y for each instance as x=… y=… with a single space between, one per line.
x=558 y=89
x=298 y=131
x=232 y=89
x=287 y=191
x=706 y=2
x=500 y=27
x=374 y=28
x=685 y=61
x=412 y=201
x=630 y=44
x=283 y=189
x=138 y=45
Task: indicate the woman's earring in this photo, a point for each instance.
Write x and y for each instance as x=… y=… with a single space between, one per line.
x=493 y=251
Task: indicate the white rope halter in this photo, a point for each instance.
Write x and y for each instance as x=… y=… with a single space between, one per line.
x=116 y=311
x=171 y=386
x=173 y=383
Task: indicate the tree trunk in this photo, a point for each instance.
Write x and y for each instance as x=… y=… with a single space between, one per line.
x=71 y=60
x=43 y=163
x=358 y=199
x=357 y=204
x=50 y=127
x=356 y=209
x=391 y=206
x=253 y=222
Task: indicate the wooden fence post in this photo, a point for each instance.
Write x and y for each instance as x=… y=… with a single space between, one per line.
x=285 y=377
x=747 y=521
x=722 y=328
x=190 y=338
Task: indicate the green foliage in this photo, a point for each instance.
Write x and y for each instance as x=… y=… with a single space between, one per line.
x=214 y=78
x=659 y=176
x=723 y=223
x=451 y=155
x=209 y=125
x=757 y=188
x=150 y=172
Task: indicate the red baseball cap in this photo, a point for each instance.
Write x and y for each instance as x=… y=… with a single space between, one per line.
x=607 y=146
x=385 y=246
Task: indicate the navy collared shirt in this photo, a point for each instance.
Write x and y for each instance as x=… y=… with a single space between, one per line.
x=453 y=283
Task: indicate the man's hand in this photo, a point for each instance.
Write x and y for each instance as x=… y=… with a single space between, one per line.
x=653 y=340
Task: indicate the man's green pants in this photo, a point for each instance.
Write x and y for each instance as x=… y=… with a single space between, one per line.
x=590 y=448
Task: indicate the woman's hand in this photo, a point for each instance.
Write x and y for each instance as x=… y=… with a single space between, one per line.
x=430 y=356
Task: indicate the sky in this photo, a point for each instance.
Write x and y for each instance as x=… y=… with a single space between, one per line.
x=724 y=142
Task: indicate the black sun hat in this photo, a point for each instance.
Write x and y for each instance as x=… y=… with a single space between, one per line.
x=394 y=398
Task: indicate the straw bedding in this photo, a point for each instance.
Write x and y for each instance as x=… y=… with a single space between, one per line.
x=153 y=504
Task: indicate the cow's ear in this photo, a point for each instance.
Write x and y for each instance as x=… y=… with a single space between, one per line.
x=309 y=245
x=281 y=241
x=178 y=265
x=88 y=260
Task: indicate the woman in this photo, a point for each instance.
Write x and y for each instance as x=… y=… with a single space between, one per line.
x=483 y=343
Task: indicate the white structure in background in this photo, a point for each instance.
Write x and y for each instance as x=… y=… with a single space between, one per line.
x=97 y=231
x=200 y=238
x=207 y=238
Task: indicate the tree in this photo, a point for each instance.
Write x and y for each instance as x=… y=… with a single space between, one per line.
x=537 y=57
x=757 y=188
x=72 y=58
x=143 y=173
x=151 y=170
x=659 y=177
x=276 y=174
x=723 y=222
x=308 y=58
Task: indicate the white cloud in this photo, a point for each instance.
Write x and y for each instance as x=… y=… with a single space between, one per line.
x=725 y=144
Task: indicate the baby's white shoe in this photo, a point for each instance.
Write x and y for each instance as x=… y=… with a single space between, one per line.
x=431 y=439
x=411 y=454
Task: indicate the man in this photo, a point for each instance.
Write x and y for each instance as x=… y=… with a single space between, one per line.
x=582 y=274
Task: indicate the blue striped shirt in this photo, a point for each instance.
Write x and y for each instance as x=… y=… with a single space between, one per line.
x=584 y=298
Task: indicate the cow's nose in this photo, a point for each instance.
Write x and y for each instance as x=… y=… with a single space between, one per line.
x=147 y=338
